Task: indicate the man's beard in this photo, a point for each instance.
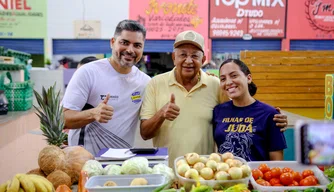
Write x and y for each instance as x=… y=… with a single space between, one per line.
x=126 y=64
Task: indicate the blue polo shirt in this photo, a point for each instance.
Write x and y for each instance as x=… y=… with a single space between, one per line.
x=248 y=132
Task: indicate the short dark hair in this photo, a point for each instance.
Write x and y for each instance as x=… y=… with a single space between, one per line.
x=87 y=60
x=129 y=25
x=252 y=88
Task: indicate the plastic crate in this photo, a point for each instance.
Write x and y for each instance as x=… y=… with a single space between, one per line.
x=19 y=94
x=216 y=184
x=95 y=183
x=323 y=181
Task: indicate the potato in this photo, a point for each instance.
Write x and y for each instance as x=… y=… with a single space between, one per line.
x=138 y=181
x=110 y=183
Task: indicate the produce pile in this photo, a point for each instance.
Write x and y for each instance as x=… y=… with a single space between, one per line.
x=266 y=176
x=28 y=183
x=57 y=167
x=216 y=166
x=132 y=166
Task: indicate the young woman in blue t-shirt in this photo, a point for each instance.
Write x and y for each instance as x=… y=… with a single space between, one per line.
x=244 y=125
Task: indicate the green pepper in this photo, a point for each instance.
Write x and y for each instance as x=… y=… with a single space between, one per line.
x=159 y=189
x=295 y=190
x=313 y=189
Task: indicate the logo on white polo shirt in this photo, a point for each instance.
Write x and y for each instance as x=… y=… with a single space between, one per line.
x=112 y=97
x=135 y=97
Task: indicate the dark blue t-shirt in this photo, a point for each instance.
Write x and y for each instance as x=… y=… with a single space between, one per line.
x=248 y=132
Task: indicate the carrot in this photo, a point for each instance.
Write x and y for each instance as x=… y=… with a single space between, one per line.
x=63 y=188
x=83 y=178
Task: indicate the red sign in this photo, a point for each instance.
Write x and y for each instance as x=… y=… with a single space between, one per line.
x=164 y=19
x=259 y=18
x=313 y=19
x=14 y=5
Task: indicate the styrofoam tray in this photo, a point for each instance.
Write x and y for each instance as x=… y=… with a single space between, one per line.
x=188 y=183
x=323 y=181
x=95 y=183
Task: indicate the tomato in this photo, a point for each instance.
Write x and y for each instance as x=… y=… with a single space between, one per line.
x=297 y=176
x=267 y=176
x=267 y=183
x=311 y=179
x=314 y=177
x=261 y=182
x=306 y=173
x=276 y=172
x=275 y=181
x=264 y=168
x=278 y=184
x=286 y=178
x=305 y=182
x=257 y=174
x=294 y=183
x=286 y=170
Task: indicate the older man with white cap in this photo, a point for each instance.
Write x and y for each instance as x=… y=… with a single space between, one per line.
x=177 y=107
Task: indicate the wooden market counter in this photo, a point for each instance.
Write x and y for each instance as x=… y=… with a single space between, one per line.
x=19 y=148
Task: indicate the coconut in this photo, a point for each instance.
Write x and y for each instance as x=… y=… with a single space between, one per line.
x=59 y=177
x=51 y=158
x=37 y=171
x=75 y=158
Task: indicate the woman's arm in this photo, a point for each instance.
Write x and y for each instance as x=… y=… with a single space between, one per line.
x=276 y=155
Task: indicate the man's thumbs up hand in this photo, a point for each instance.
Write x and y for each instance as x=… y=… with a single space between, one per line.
x=104 y=112
x=171 y=110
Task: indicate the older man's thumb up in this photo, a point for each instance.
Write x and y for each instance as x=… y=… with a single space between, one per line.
x=172 y=98
x=171 y=110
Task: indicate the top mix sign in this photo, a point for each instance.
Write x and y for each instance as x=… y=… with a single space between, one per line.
x=260 y=18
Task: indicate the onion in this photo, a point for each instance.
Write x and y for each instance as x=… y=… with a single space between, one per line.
x=191 y=174
x=182 y=169
x=235 y=163
x=181 y=161
x=198 y=166
x=192 y=158
x=207 y=173
x=222 y=167
x=215 y=157
x=226 y=156
x=222 y=175
x=246 y=170
x=203 y=159
x=212 y=164
x=228 y=161
x=235 y=173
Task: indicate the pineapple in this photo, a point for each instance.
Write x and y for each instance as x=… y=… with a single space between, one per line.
x=51 y=115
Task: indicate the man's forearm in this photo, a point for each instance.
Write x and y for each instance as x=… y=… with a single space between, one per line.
x=78 y=119
x=149 y=127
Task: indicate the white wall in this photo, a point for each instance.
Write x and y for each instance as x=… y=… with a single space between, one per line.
x=62 y=14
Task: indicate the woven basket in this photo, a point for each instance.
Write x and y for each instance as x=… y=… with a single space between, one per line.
x=19 y=94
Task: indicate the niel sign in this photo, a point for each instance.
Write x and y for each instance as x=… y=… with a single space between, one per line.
x=259 y=18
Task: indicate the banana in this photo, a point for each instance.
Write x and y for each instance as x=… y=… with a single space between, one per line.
x=14 y=185
x=26 y=184
x=46 y=182
x=21 y=190
x=39 y=184
x=3 y=187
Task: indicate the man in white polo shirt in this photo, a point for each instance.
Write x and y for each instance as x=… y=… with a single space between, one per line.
x=103 y=98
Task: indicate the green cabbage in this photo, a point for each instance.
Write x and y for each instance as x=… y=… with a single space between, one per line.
x=149 y=170
x=165 y=170
x=93 y=168
x=112 y=170
x=133 y=166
